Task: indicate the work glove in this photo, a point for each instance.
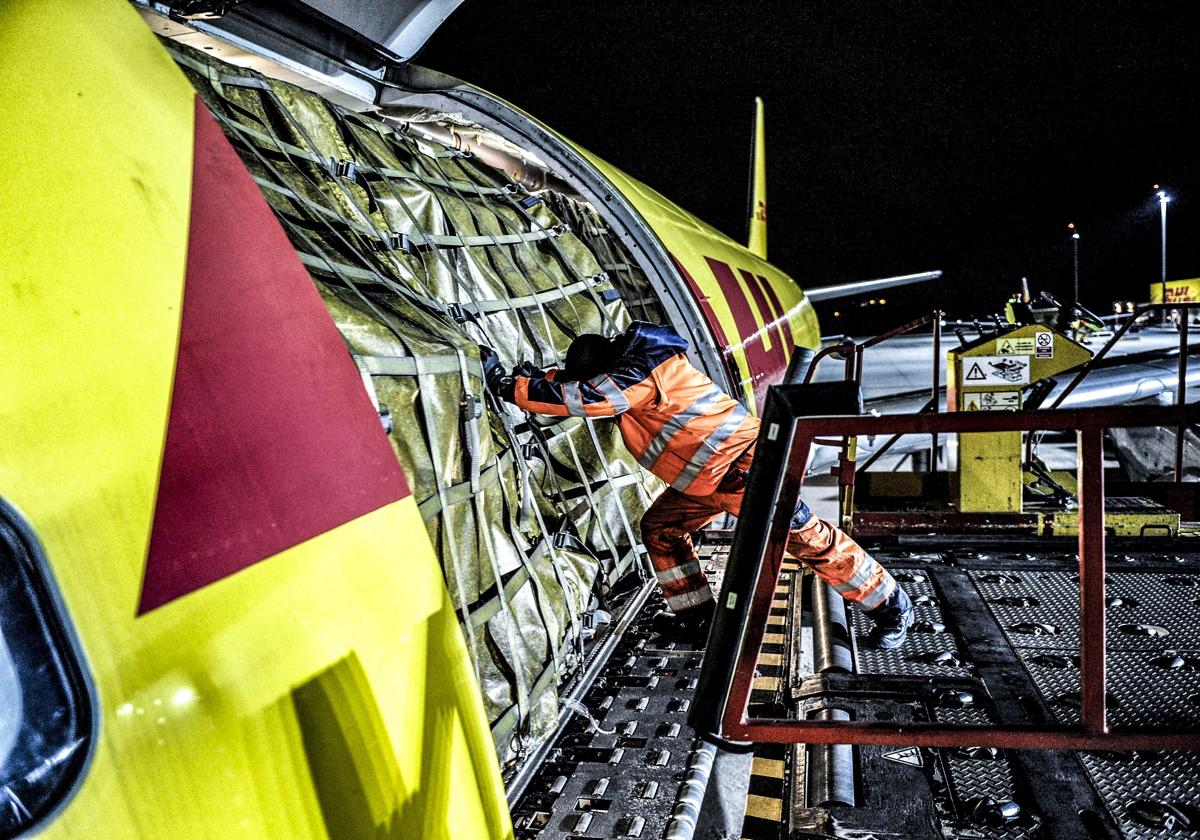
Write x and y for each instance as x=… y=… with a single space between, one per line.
x=525 y=369
x=490 y=360
x=493 y=374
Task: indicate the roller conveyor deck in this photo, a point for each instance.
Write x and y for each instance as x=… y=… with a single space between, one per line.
x=996 y=640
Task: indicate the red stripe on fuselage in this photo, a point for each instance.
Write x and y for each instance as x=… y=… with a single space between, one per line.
x=272 y=439
x=766 y=367
x=770 y=329
x=705 y=306
x=781 y=324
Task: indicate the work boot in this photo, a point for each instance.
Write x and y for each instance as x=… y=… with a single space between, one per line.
x=892 y=619
x=685 y=625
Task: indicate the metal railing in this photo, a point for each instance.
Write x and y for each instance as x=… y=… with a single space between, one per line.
x=755 y=560
x=1181 y=377
x=852 y=353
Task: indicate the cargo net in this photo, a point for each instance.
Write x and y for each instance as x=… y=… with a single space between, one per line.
x=419 y=253
x=636 y=293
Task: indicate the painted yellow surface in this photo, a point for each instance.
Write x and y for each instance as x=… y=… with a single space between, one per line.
x=1021 y=343
x=325 y=692
x=990 y=477
x=1118 y=524
x=989 y=466
x=758 y=198
x=772 y=768
x=1178 y=291
x=693 y=242
x=764 y=807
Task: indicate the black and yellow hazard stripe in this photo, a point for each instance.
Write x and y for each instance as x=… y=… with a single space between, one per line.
x=768 y=775
x=765 y=800
x=769 y=682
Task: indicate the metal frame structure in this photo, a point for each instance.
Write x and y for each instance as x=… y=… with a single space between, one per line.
x=773 y=490
x=1181 y=376
x=852 y=353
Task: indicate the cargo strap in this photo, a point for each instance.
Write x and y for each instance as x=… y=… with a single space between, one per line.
x=407 y=365
x=482 y=613
x=385 y=414
x=478 y=307
x=221 y=80
x=413 y=243
x=472 y=416
x=537 y=298
x=416 y=242
x=454 y=494
x=507 y=722
x=295 y=230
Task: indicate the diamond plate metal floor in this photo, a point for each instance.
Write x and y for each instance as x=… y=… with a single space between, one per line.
x=972 y=600
x=1000 y=626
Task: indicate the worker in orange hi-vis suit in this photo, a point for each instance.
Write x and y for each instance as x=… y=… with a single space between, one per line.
x=700 y=441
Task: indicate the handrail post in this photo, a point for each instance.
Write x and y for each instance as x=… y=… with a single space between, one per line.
x=843 y=347
x=1181 y=389
x=1092 y=641
x=935 y=393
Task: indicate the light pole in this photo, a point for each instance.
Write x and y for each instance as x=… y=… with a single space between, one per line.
x=1075 y=246
x=1163 y=198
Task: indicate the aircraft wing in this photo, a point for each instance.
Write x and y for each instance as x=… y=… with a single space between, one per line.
x=844 y=290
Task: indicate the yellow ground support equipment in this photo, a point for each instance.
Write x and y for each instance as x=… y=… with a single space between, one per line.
x=992 y=374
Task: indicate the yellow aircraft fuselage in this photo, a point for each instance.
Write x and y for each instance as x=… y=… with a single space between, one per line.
x=255 y=672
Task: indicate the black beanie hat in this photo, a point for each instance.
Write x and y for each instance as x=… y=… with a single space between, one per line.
x=588 y=355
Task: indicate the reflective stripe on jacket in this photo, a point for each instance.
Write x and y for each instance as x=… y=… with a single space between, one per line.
x=674 y=420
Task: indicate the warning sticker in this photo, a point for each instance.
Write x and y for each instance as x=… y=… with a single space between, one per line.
x=992 y=401
x=909 y=755
x=1044 y=345
x=1019 y=346
x=995 y=370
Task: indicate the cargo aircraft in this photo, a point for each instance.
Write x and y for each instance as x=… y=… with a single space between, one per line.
x=273 y=563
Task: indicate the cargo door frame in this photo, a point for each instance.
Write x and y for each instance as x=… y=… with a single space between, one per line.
x=433 y=90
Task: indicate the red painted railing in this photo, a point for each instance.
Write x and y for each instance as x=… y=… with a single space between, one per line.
x=757 y=554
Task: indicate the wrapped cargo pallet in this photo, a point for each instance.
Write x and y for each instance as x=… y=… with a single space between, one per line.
x=420 y=254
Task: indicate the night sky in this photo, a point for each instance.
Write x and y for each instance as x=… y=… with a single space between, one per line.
x=900 y=136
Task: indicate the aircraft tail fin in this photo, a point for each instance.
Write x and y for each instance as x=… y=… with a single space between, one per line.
x=757 y=240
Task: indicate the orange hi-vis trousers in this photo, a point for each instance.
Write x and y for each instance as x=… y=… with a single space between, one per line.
x=833 y=556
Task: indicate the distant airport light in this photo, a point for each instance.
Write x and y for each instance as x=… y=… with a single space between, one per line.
x=1075 y=261
x=837 y=314
x=1163 y=198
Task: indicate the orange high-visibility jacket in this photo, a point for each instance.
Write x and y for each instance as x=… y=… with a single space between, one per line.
x=675 y=421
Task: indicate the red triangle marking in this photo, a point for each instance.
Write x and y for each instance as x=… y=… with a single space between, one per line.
x=272 y=439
